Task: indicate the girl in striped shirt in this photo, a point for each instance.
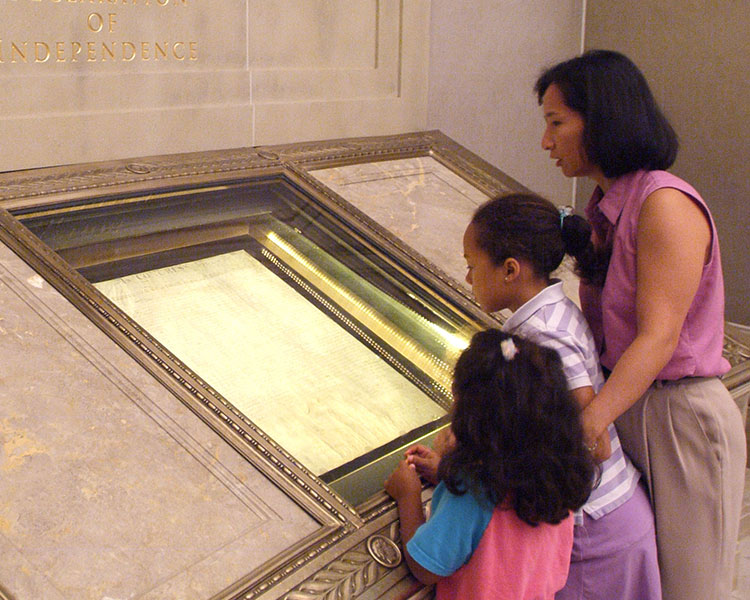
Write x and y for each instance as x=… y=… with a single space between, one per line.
x=512 y=246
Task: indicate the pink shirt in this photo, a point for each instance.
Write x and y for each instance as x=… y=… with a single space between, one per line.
x=513 y=561
x=485 y=552
x=611 y=311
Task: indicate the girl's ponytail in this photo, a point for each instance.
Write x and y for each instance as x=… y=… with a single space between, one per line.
x=524 y=225
x=591 y=264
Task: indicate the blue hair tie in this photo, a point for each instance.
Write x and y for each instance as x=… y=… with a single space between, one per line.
x=565 y=211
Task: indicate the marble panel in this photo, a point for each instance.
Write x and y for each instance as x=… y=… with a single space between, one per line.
x=59 y=139
x=424 y=204
x=111 y=487
x=281 y=123
x=122 y=92
x=418 y=200
x=88 y=81
x=314 y=61
x=301 y=41
x=386 y=96
x=48 y=38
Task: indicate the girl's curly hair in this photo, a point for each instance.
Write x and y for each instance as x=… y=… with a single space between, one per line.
x=519 y=439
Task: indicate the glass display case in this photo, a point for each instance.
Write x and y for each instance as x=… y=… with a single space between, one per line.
x=268 y=327
x=303 y=325
x=312 y=341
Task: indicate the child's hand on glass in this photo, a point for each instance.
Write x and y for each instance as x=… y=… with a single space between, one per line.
x=426 y=460
x=403 y=482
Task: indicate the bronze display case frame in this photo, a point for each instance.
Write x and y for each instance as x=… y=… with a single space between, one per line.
x=337 y=561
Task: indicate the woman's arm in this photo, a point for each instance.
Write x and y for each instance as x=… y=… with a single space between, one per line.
x=673 y=241
x=600 y=449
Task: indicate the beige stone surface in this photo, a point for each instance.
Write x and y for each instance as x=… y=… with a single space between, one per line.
x=110 y=487
x=418 y=200
x=483 y=65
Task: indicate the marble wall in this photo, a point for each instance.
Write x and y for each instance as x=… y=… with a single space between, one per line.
x=483 y=65
x=87 y=80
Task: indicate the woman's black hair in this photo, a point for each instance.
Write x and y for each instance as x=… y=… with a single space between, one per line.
x=526 y=226
x=519 y=439
x=624 y=129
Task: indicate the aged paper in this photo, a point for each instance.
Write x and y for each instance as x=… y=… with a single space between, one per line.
x=302 y=378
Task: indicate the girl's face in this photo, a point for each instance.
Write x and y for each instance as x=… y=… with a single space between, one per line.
x=563 y=136
x=487 y=279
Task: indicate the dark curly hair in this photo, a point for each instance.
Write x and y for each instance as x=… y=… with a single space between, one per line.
x=524 y=225
x=518 y=435
x=624 y=129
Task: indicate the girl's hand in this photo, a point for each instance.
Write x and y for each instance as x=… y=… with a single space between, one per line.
x=404 y=487
x=403 y=482
x=425 y=461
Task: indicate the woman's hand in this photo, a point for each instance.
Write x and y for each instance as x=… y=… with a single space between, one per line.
x=595 y=439
x=595 y=434
x=403 y=483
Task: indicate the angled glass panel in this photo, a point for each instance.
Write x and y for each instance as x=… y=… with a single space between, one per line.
x=319 y=338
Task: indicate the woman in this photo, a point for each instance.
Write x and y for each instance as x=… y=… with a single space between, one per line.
x=653 y=294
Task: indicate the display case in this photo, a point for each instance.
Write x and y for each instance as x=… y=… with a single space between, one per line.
x=214 y=360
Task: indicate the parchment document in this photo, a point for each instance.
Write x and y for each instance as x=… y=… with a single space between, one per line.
x=309 y=384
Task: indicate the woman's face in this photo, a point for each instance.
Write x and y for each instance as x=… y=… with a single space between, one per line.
x=485 y=277
x=563 y=136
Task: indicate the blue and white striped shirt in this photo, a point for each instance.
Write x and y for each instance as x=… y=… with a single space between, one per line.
x=551 y=319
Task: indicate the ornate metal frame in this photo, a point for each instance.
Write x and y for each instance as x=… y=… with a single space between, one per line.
x=337 y=561
x=320 y=557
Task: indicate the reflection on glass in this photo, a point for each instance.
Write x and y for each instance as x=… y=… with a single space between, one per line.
x=305 y=328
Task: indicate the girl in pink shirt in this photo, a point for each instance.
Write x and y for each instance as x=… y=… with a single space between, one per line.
x=500 y=526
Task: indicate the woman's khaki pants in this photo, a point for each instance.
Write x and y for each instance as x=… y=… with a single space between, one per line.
x=688 y=440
